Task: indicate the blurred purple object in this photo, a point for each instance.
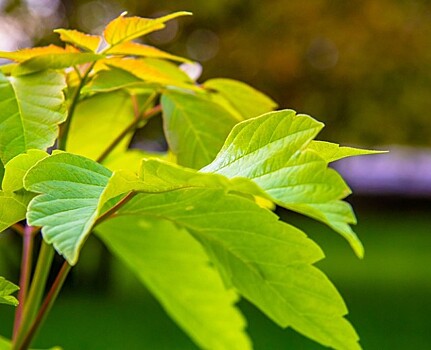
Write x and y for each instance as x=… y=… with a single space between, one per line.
x=403 y=171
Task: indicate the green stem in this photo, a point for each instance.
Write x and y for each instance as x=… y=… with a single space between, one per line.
x=26 y=263
x=46 y=306
x=64 y=134
x=37 y=288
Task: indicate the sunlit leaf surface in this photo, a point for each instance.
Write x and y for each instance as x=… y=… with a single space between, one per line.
x=272 y=151
x=175 y=268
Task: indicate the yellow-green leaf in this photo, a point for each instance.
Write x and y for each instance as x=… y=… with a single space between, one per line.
x=272 y=151
x=105 y=115
x=195 y=127
x=267 y=261
x=25 y=54
x=136 y=49
x=77 y=38
x=175 y=268
x=332 y=151
x=150 y=73
x=55 y=61
x=6 y=289
x=248 y=101
x=124 y=28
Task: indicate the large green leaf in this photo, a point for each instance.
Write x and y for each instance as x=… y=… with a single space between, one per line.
x=31 y=107
x=176 y=270
x=105 y=115
x=246 y=100
x=195 y=128
x=123 y=28
x=68 y=206
x=55 y=61
x=332 y=151
x=6 y=289
x=13 y=198
x=267 y=261
x=272 y=151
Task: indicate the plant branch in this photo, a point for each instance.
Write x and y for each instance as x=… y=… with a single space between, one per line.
x=18 y=228
x=46 y=306
x=132 y=126
x=37 y=288
x=75 y=99
x=26 y=264
x=115 y=208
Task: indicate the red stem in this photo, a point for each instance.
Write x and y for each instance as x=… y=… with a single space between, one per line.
x=26 y=264
x=46 y=306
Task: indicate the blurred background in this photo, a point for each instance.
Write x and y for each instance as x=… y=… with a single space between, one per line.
x=363 y=67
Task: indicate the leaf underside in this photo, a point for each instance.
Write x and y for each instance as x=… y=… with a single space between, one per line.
x=71 y=186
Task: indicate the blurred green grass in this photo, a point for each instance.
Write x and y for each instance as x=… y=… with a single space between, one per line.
x=387 y=293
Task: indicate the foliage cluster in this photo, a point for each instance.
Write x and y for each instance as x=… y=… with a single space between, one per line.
x=193 y=223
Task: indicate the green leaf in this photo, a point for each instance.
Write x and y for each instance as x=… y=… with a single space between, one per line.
x=123 y=29
x=195 y=128
x=54 y=61
x=161 y=176
x=111 y=80
x=272 y=151
x=68 y=206
x=84 y=41
x=16 y=169
x=136 y=49
x=168 y=68
x=13 y=198
x=5 y=344
x=176 y=270
x=105 y=115
x=12 y=209
x=267 y=261
x=6 y=289
x=31 y=107
x=152 y=71
x=246 y=100
x=129 y=160
x=332 y=152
